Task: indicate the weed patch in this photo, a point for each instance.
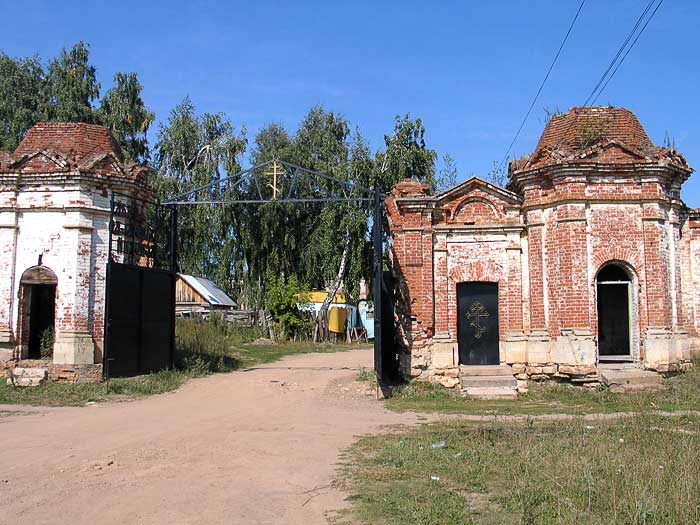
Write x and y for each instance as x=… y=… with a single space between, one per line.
x=640 y=471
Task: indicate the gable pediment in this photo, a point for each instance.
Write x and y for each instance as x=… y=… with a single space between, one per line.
x=44 y=160
x=615 y=149
x=105 y=162
x=474 y=186
x=477 y=201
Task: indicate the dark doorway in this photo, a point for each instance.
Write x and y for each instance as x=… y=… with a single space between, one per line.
x=42 y=312
x=613 y=287
x=38 y=312
x=477 y=323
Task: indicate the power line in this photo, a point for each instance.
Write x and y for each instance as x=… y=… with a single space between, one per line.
x=534 y=100
x=619 y=51
x=628 y=50
x=604 y=79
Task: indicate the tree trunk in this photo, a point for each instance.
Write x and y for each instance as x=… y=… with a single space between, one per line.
x=322 y=318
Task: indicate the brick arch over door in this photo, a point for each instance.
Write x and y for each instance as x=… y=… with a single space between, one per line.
x=637 y=321
x=479 y=271
x=476 y=209
x=611 y=254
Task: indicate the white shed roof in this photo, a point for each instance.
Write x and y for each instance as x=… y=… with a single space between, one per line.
x=208 y=290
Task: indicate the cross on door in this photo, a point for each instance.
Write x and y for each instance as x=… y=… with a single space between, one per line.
x=477 y=312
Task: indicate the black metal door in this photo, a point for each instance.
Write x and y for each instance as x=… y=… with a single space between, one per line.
x=477 y=323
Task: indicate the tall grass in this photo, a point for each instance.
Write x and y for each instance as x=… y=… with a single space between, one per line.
x=204 y=347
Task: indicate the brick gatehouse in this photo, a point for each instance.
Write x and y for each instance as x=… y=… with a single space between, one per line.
x=587 y=255
x=54 y=216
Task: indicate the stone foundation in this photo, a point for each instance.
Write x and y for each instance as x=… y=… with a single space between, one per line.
x=572 y=357
x=85 y=373
x=665 y=348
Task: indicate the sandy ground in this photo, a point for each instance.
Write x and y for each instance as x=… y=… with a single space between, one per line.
x=260 y=446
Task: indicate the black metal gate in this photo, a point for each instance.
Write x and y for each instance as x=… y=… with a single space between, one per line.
x=388 y=357
x=477 y=323
x=139 y=334
x=140 y=320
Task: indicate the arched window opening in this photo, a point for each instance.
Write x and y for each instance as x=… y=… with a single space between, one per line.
x=614 y=293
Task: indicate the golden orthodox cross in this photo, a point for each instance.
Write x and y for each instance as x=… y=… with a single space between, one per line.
x=276 y=170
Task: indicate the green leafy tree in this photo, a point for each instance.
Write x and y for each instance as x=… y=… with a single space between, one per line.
x=323 y=244
x=122 y=110
x=192 y=151
x=406 y=155
x=22 y=98
x=73 y=86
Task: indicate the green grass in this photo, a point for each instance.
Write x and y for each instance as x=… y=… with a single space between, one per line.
x=641 y=470
x=69 y=394
x=202 y=348
x=366 y=375
x=550 y=397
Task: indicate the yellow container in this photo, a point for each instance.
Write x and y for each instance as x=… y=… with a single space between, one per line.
x=336 y=319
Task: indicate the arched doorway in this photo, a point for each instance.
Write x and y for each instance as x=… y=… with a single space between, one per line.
x=38 y=314
x=614 y=293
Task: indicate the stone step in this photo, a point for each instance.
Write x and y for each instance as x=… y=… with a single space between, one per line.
x=491 y=392
x=630 y=377
x=631 y=380
x=485 y=370
x=489 y=381
x=619 y=389
x=621 y=366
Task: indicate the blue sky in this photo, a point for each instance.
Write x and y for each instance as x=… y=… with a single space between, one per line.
x=468 y=69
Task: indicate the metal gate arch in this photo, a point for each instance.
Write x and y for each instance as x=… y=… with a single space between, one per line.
x=385 y=363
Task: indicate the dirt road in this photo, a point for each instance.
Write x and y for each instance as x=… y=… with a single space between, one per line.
x=259 y=446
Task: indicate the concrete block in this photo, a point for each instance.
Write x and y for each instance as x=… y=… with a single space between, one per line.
x=74 y=348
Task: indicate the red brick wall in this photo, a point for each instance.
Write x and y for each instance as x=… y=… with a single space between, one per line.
x=570 y=227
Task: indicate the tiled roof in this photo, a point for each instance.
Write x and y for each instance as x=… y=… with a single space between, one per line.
x=595 y=134
x=70 y=139
x=55 y=147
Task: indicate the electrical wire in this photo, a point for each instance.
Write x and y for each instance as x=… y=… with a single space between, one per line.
x=539 y=90
x=619 y=51
x=614 y=63
x=627 y=52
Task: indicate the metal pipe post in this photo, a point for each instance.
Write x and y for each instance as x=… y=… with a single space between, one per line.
x=378 y=284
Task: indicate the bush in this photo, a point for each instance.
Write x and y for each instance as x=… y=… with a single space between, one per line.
x=46 y=344
x=282 y=302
